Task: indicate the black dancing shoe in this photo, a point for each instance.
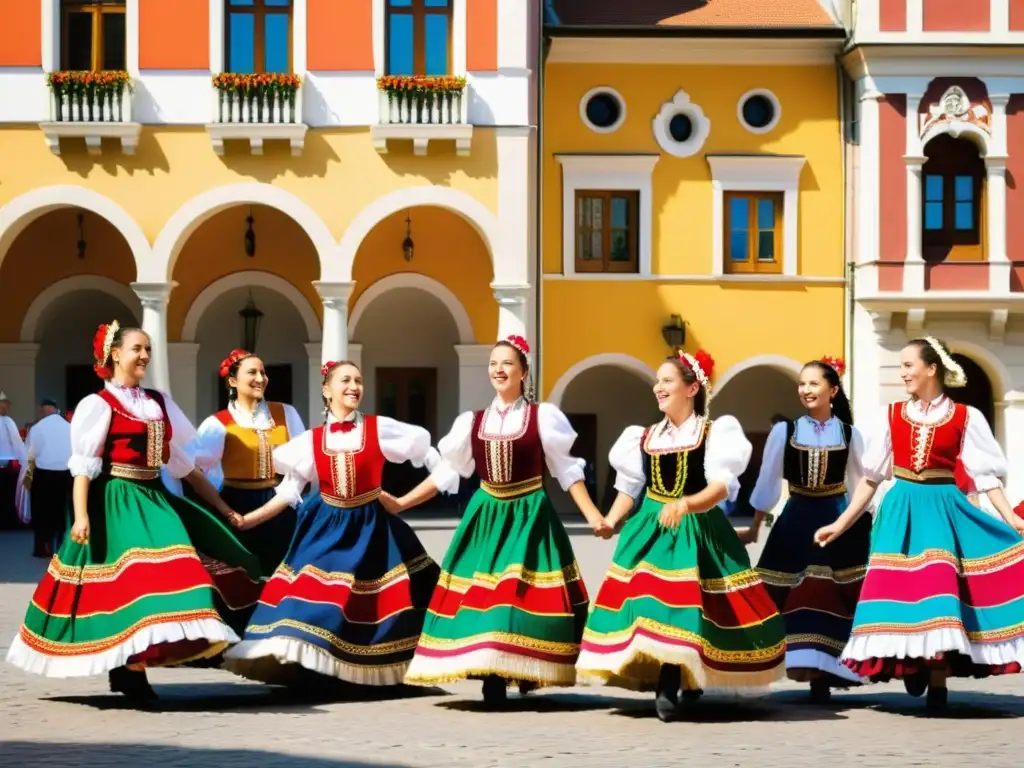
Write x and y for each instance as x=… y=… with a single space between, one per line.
x=666 y=702
x=133 y=684
x=916 y=685
x=937 y=698
x=821 y=693
x=692 y=695
x=495 y=691
x=527 y=686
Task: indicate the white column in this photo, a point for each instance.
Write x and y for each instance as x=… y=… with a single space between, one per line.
x=1013 y=431
x=183 y=358
x=1000 y=269
x=299 y=37
x=131 y=21
x=335 y=298
x=475 y=390
x=153 y=297
x=514 y=305
x=913 y=269
x=868 y=174
x=315 y=411
x=18 y=379
x=915 y=17
x=870 y=330
x=50 y=23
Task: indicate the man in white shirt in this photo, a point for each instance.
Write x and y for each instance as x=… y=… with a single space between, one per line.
x=12 y=454
x=48 y=447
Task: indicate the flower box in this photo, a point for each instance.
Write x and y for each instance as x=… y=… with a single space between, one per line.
x=257 y=98
x=422 y=99
x=90 y=97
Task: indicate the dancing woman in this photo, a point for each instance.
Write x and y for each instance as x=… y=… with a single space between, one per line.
x=680 y=606
x=944 y=591
x=127 y=590
x=349 y=599
x=235 y=450
x=510 y=605
x=815 y=589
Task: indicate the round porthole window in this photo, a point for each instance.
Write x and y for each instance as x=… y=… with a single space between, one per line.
x=680 y=128
x=602 y=110
x=759 y=110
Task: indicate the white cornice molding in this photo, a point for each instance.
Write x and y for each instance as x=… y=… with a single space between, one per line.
x=722 y=51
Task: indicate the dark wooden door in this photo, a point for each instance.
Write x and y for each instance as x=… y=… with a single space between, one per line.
x=280 y=389
x=409 y=395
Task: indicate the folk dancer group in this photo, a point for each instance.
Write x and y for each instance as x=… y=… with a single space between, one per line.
x=286 y=560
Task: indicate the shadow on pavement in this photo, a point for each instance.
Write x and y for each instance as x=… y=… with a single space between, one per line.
x=17 y=566
x=966 y=705
x=219 y=697
x=725 y=709
x=538 y=703
x=20 y=754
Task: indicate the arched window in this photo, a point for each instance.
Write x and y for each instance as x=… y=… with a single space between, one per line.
x=953 y=181
x=419 y=34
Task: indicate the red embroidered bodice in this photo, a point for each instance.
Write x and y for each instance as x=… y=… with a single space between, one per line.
x=508 y=459
x=135 y=442
x=921 y=448
x=349 y=478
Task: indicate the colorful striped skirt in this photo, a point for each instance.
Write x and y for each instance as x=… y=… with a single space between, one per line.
x=685 y=597
x=815 y=588
x=137 y=593
x=347 y=602
x=945 y=585
x=510 y=601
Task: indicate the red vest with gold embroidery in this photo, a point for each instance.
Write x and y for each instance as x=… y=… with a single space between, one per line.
x=926 y=451
x=135 y=448
x=349 y=478
x=509 y=465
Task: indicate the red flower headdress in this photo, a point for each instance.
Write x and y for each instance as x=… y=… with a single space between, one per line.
x=102 y=341
x=230 y=360
x=836 y=363
x=326 y=367
x=519 y=343
x=702 y=364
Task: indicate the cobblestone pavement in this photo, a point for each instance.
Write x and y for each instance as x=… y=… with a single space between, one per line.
x=210 y=718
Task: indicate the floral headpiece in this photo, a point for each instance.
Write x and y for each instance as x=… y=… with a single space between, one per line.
x=701 y=363
x=835 y=363
x=230 y=360
x=954 y=376
x=519 y=343
x=326 y=367
x=102 y=342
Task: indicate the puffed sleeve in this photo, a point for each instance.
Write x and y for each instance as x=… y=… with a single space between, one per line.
x=14 y=438
x=207 y=449
x=557 y=437
x=295 y=461
x=401 y=442
x=183 y=433
x=727 y=454
x=982 y=457
x=768 y=489
x=89 y=426
x=293 y=421
x=855 y=462
x=456 y=449
x=627 y=460
x=876 y=461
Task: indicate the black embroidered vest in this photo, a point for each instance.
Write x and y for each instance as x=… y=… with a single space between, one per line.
x=818 y=472
x=672 y=474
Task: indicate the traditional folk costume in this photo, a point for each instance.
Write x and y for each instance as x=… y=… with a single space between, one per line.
x=136 y=594
x=815 y=588
x=235 y=451
x=510 y=604
x=945 y=580
x=684 y=597
x=349 y=599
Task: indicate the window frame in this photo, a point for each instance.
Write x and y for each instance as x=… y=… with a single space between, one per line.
x=419 y=11
x=607 y=265
x=97 y=10
x=753 y=265
x=962 y=244
x=260 y=10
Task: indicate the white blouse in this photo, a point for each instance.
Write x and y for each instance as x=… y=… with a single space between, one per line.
x=91 y=422
x=399 y=442
x=725 y=457
x=207 y=449
x=812 y=434
x=982 y=457
x=556 y=438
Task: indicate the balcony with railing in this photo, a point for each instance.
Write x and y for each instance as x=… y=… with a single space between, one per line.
x=92 y=106
x=256 y=108
x=421 y=109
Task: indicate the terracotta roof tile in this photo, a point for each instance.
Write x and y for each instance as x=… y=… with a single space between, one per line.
x=694 y=13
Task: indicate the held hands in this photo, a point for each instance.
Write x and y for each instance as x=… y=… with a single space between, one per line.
x=391 y=505
x=601 y=528
x=827 y=534
x=747 y=535
x=80 y=530
x=672 y=513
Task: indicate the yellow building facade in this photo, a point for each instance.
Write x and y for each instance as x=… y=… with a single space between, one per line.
x=694 y=173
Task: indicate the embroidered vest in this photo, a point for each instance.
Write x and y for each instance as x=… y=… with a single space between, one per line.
x=813 y=471
x=672 y=473
x=247 y=459
x=349 y=478
x=509 y=466
x=926 y=452
x=134 y=448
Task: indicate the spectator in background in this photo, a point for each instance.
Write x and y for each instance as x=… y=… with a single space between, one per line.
x=12 y=456
x=49 y=450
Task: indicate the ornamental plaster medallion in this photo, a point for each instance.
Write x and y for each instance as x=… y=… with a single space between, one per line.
x=697 y=125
